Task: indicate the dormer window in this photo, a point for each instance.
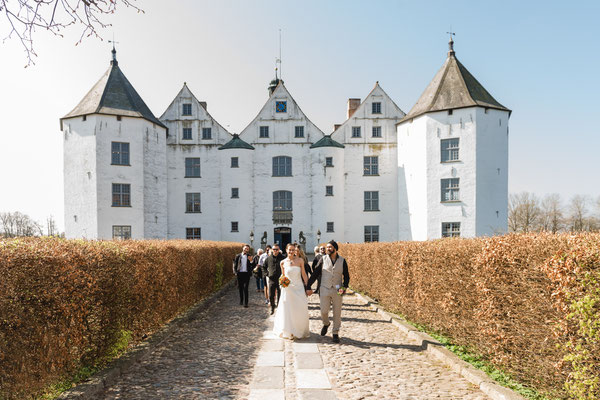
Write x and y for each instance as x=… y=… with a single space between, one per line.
x=281 y=106
x=263 y=132
x=187 y=109
x=376 y=108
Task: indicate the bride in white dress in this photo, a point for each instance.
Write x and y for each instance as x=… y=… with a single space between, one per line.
x=291 y=318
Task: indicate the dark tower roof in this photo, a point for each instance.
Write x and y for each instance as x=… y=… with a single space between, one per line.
x=453 y=87
x=327 y=141
x=113 y=95
x=236 y=143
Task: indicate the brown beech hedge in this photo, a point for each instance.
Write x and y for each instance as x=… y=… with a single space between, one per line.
x=528 y=303
x=66 y=304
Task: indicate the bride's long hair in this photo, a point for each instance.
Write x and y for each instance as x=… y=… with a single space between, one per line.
x=301 y=254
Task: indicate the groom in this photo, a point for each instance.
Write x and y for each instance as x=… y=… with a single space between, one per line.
x=330 y=270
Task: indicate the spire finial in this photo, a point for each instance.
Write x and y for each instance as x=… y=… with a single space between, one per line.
x=114 y=51
x=278 y=59
x=451 y=43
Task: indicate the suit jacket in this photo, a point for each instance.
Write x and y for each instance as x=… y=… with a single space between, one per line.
x=318 y=269
x=272 y=266
x=237 y=263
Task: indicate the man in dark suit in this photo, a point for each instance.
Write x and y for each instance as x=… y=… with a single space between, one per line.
x=242 y=268
x=318 y=255
x=272 y=269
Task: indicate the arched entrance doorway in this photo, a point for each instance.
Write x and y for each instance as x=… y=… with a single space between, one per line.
x=282 y=236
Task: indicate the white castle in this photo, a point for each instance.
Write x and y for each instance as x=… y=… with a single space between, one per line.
x=440 y=170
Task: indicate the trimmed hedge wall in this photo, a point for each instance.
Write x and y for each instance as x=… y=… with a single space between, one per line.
x=66 y=304
x=529 y=303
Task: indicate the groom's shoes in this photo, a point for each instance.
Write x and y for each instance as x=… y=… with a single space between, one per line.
x=272 y=311
x=336 y=338
x=324 y=330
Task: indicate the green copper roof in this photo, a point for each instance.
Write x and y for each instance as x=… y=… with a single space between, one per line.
x=327 y=141
x=113 y=95
x=236 y=143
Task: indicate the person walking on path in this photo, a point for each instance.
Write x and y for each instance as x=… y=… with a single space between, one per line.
x=242 y=268
x=333 y=279
x=273 y=267
x=261 y=264
x=257 y=272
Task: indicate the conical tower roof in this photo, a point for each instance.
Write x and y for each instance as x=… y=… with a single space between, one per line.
x=453 y=87
x=113 y=95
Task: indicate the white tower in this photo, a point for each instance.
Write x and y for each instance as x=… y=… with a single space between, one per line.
x=114 y=164
x=453 y=157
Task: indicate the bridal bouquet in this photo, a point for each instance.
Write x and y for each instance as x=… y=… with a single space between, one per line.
x=284 y=281
x=340 y=290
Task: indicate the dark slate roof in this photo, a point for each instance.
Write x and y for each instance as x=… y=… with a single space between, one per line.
x=453 y=87
x=236 y=143
x=327 y=141
x=113 y=95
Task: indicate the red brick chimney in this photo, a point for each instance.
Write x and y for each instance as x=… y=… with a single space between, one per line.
x=352 y=106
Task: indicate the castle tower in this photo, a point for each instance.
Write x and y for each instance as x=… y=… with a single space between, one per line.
x=453 y=158
x=114 y=164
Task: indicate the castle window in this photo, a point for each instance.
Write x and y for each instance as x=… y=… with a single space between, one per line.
x=192 y=202
x=234 y=226
x=329 y=161
x=372 y=201
x=187 y=133
x=192 y=167
x=118 y=117
x=263 y=132
x=121 y=195
x=299 y=132
x=235 y=193
x=328 y=190
x=330 y=227
x=120 y=153
x=376 y=108
x=85 y=117
x=121 y=232
x=282 y=166
x=206 y=133
x=450 y=229
x=187 y=109
x=235 y=162
x=371 y=233
x=281 y=106
x=376 y=131
x=193 y=233
x=355 y=131
x=450 y=112
x=371 y=165
x=450 y=189
x=449 y=149
x=282 y=200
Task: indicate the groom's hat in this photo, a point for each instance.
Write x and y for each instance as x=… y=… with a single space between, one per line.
x=334 y=244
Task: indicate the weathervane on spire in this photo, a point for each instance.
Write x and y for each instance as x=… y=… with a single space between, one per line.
x=278 y=60
x=451 y=42
x=114 y=51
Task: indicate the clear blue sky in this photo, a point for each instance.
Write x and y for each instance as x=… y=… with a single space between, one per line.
x=538 y=58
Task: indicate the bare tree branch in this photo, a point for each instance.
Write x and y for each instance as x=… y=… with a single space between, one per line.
x=24 y=16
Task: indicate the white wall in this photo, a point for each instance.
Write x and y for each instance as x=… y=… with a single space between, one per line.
x=79 y=144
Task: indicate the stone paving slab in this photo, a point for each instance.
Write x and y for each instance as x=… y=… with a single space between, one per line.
x=316 y=394
x=268 y=378
x=270 y=359
x=312 y=379
x=308 y=361
x=305 y=347
x=267 y=394
x=272 y=345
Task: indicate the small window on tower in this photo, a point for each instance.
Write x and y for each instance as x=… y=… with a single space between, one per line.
x=235 y=193
x=187 y=109
x=330 y=227
x=187 y=133
x=328 y=190
x=376 y=108
x=329 y=161
x=299 y=132
x=235 y=162
x=234 y=226
x=118 y=117
x=263 y=132
x=206 y=133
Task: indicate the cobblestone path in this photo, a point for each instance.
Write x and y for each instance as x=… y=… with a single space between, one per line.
x=229 y=352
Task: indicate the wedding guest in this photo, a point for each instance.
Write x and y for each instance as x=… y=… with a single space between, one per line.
x=261 y=264
x=242 y=268
x=320 y=252
x=258 y=268
x=273 y=267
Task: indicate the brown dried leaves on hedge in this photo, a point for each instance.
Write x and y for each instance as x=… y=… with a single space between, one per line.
x=64 y=303
x=505 y=296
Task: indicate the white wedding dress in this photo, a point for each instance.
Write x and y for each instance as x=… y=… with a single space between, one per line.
x=291 y=318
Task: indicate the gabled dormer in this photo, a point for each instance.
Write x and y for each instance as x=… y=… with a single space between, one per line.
x=370 y=121
x=190 y=122
x=281 y=120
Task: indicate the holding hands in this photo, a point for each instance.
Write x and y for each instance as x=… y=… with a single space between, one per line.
x=309 y=292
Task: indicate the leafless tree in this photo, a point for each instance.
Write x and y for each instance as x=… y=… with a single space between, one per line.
x=551 y=218
x=578 y=213
x=23 y=17
x=523 y=212
x=18 y=224
x=51 y=226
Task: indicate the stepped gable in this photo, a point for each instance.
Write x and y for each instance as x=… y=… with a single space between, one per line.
x=327 y=141
x=236 y=143
x=113 y=95
x=453 y=87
